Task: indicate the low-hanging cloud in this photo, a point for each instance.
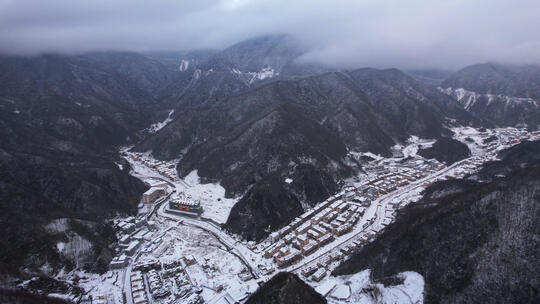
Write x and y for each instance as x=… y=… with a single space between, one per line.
x=340 y=33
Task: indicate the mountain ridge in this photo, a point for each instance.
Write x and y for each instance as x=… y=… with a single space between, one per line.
x=505 y=95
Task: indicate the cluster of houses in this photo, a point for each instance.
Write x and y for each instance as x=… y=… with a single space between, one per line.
x=386 y=183
x=138 y=292
x=132 y=233
x=156 y=285
x=156 y=273
x=513 y=136
x=312 y=230
x=101 y=299
x=317 y=270
x=339 y=214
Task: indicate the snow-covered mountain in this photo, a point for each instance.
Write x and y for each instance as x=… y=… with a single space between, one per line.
x=501 y=94
x=244 y=65
x=278 y=135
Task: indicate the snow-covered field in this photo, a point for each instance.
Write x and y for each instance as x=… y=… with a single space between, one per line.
x=211 y=197
x=358 y=288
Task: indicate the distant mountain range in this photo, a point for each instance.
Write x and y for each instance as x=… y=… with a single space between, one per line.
x=504 y=95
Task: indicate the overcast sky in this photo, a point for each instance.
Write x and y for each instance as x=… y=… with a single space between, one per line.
x=342 y=33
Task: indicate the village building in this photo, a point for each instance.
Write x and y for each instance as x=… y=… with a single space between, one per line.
x=274 y=236
x=185 y=207
x=314 y=234
x=289 y=237
x=309 y=247
x=303 y=239
x=319 y=274
x=309 y=270
x=283 y=251
x=132 y=248
x=288 y=259
x=285 y=230
x=274 y=249
x=153 y=193
x=325 y=239
x=330 y=217
x=303 y=228
x=118 y=262
x=342 y=229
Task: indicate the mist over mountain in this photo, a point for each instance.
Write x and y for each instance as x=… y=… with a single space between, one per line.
x=505 y=95
x=421 y=35
x=498 y=79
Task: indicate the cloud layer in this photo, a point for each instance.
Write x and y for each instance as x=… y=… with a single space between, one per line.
x=341 y=33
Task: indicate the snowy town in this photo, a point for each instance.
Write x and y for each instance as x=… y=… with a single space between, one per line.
x=174 y=250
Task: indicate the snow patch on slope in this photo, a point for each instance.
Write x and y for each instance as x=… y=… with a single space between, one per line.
x=57 y=226
x=160 y=125
x=468 y=98
x=264 y=73
x=184 y=65
x=77 y=249
x=412 y=146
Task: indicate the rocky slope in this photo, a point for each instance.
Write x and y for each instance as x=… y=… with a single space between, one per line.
x=285 y=288
x=472 y=241
x=501 y=94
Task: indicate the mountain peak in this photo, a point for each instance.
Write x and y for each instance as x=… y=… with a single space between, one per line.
x=497 y=78
x=269 y=51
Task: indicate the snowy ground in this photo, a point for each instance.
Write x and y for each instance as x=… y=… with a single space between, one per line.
x=215 y=266
x=211 y=196
x=411 y=147
x=358 y=288
x=108 y=285
x=159 y=125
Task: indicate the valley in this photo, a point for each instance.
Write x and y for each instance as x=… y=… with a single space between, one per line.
x=253 y=172
x=191 y=257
